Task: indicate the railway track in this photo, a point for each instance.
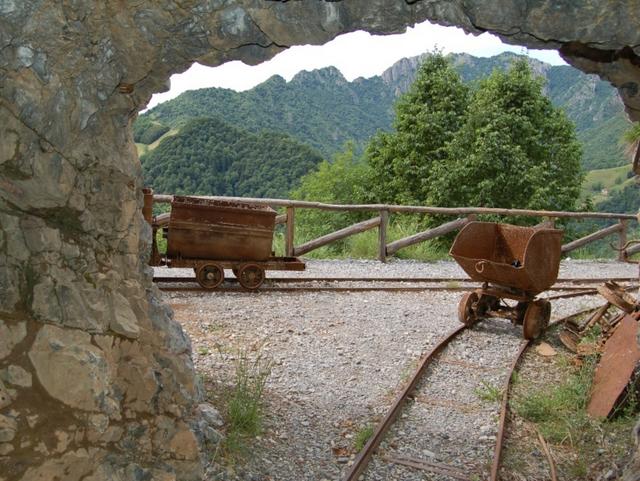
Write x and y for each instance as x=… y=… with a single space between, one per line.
x=434 y=280
x=574 y=287
x=390 y=454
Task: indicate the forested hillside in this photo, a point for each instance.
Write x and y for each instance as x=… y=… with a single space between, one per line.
x=211 y=157
x=319 y=108
x=323 y=110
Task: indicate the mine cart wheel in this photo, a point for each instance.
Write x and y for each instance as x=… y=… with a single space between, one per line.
x=251 y=276
x=466 y=312
x=235 y=272
x=210 y=276
x=536 y=318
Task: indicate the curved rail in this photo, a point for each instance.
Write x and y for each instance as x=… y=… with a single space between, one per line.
x=495 y=465
x=367 y=451
x=361 y=461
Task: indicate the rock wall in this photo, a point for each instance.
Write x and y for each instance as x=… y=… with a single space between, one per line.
x=96 y=379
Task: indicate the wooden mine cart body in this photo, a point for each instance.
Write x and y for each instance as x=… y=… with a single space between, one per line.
x=214 y=229
x=512 y=262
x=523 y=258
x=211 y=235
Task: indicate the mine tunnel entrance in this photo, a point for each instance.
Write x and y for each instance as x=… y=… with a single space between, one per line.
x=97 y=380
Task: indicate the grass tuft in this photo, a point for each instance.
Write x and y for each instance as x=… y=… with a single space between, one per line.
x=362 y=436
x=244 y=401
x=244 y=408
x=488 y=392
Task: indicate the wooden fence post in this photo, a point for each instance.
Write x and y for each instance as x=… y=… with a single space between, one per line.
x=289 y=240
x=622 y=240
x=382 y=236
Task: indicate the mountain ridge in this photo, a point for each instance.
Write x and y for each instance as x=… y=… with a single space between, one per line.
x=324 y=110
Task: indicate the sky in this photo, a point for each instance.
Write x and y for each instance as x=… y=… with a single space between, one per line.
x=357 y=54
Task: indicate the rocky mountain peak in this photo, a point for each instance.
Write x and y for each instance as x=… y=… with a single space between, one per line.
x=323 y=75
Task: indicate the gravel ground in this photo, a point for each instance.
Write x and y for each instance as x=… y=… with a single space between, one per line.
x=340 y=358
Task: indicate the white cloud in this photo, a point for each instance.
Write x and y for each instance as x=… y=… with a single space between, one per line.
x=357 y=54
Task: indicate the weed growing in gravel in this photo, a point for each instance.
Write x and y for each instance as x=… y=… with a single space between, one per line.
x=362 y=436
x=245 y=398
x=244 y=407
x=560 y=411
x=488 y=392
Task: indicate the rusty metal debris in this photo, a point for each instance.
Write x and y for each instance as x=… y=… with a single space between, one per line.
x=513 y=262
x=620 y=357
x=617 y=296
x=606 y=317
x=617 y=323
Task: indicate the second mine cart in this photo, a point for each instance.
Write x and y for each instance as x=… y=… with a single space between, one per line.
x=512 y=262
x=213 y=235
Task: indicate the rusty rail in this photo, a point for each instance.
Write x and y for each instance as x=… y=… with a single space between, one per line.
x=362 y=459
x=504 y=407
x=575 y=291
x=497 y=453
x=286 y=280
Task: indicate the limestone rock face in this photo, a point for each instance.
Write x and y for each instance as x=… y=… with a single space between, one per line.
x=96 y=378
x=72 y=370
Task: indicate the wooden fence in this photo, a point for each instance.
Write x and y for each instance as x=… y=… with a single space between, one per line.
x=463 y=216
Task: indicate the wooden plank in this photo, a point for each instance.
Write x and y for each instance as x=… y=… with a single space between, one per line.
x=290 y=232
x=583 y=241
x=382 y=236
x=634 y=249
x=163 y=198
x=334 y=236
x=426 y=235
x=622 y=240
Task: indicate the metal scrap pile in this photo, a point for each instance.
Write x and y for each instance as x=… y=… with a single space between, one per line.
x=617 y=344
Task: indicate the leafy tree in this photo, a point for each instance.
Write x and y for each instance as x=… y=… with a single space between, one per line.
x=427 y=118
x=515 y=150
x=339 y=182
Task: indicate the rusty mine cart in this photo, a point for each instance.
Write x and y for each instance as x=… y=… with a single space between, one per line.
x=213 y=235
x=512 y=262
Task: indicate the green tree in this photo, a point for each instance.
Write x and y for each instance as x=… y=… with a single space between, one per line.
x=515 y=149
x=339 y=182
x=427 y=118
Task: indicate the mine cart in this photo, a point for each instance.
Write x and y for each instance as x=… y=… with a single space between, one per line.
x=512 y=262
x=212 y=235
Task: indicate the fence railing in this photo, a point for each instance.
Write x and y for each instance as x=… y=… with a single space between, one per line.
x=463 y=215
